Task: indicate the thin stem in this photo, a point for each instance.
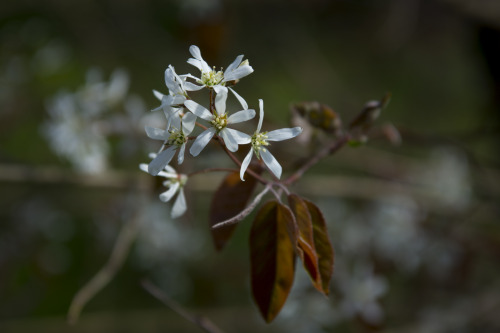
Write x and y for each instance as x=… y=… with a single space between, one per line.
x=124 y=241
x=199 y=172
x=245 y=212
x=212 y=100
x=284 y=188
x=200 y=125
x=200 y=321
x=334 y=147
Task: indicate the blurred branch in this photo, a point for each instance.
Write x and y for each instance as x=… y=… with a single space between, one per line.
x=120 y=252
x=481 y=308
x=56 y=175
x=200 y=321
x=453 y=139
x=328 y=150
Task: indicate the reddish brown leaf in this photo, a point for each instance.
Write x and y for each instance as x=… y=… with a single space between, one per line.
x=230 y=198
x=322 y=245
x=272 y=258
x=305 y=242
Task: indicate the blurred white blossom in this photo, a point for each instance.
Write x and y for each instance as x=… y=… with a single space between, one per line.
x=361 y=290
x=81 y=121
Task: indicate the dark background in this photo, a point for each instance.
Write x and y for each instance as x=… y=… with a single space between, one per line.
x=415 y=225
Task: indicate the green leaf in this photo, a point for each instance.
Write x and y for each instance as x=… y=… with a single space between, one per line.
x=305 y=243
x=322 y=245
x=272 y=257
x=231 y=198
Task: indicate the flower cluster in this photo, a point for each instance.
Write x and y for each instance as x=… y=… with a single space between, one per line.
x=182 y=114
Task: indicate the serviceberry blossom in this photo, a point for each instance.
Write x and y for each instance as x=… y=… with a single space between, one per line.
x=219 y=122
x=260 y=141
x=175 y=138
x=178 y=89
x=175 y=183
x=211 y=78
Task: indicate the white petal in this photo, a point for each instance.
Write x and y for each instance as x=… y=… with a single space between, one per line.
x=158 y=94
x=170 y=79
x=198 y=110
x=175 y=120
x=166 y=100
x=180 y=206
x=238 y=73
x=180 y=156
x=171 y=170
x=178 y=100
x=157 y=108
x=188 y=123
x=229 y=140
x=195 y=52
x=240 y=137
x=143 y=167
x=200 y=64
x=167 y=174
x=167 y=195
x=245 y=163
x=241 y=116
x=234 y=64
x=283 y=134
x=192 y=87
x=201 y=141
x=205 y=66
x=196 y=63
x=261 y=114
x=271 y=162
x=184 y=76
x=240 y=99
x=161 y=160
x=179 y=86
x=156 y=133
x=220 y=101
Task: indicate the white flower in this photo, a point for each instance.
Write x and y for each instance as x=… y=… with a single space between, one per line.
x=260 y=141
x=175 y=183
x=210 y=77
x=175 y=138
x=177 y=89
x=219 y=121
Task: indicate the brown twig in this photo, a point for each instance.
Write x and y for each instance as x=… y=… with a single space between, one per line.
x=120 y=252
x=119 y=180
x=334 y=147
x=245 y=212
x=202 y=322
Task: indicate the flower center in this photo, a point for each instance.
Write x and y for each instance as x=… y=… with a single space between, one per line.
x=176 y=137
x=212 y=78
x=259 y=140
x=219 y=121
